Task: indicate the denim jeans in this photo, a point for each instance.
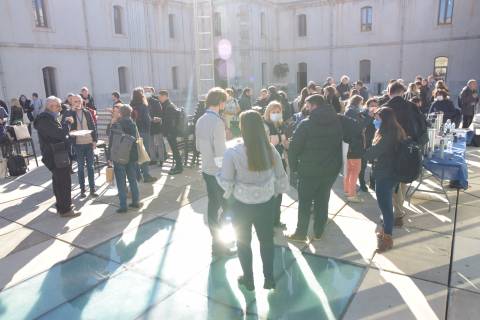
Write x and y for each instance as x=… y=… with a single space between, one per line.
x=122 y=173
x=144 y=166
x=260 y=216
x=84 y=153
x=384 y=190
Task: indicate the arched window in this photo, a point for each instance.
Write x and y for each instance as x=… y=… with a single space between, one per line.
x=365 y=69
x=366 y=19
x=118 y=19
x=302 y=25
x=40 y=13
x=440 y=68
x=123 y=80
x=49 y=81
x=217 y=24
x=302 y=76
x=445 y=11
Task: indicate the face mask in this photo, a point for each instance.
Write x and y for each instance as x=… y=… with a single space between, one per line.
x=275 y=117
x=148 y=95
x=377 y=123
x=439 y=98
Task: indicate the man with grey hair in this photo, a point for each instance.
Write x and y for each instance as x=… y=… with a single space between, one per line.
x=53 y=136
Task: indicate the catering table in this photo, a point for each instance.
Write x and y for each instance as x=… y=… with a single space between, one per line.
x=452 y=167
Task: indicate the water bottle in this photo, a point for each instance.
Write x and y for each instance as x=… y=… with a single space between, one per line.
x=449 y=145
x=447 y=127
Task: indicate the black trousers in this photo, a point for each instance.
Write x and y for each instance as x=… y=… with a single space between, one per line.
x=316 y=190
x=467 y=121
x=62 y=188
x=361 y=176
x=172 y=141
x=260 y=216
x=215 y=202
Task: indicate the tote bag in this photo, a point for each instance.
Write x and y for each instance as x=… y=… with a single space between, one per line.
x=21 y=132
x=142 y=152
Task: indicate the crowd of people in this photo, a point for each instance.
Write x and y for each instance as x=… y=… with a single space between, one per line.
x=305 y=138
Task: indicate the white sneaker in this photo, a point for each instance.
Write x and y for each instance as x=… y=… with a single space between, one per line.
x=355 y=199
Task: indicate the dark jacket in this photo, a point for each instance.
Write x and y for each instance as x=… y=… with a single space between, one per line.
x=448 y=109
x=278 y=131
x=27 y=108
x=467 y=101
x=316 y=147
x=89 y=102
x=169 y=119
x=156 y=110
x=403 y=110
x=425 y=98
x=76 y=126
x=262 y=103
x=16 y=115
x=245 y=102
x=142 y=118
x=334 y=102
x=364 y=93
x=344 y=91
x=129 y=127
x=355 y=134
x=383 y=156
x=50 y=131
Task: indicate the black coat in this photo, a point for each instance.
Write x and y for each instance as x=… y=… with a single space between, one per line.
x=90 y=123
x=245 y=102
x=50 y=131
x=334 y=102
x=354 y=132
x=448 y=109
x=169 y=118
x=156 y=110
x=344 y=91
x=16 y=115
x=142 y=118
x=403 y=110
x=383 y=155
x=89 y=102
x=316 y=147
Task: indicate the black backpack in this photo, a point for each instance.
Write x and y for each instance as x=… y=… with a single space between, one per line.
x=408 y=161
x=16 y=166
x=419 y=125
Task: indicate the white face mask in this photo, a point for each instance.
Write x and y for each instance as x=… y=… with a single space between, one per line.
x=439 y=98
x=275 y=117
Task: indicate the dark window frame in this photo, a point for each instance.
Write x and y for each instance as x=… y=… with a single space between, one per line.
x=123 y=80
x=302 y=25
x=50 y=81
x=366 y=19
x=40 y=13
x=118 y=19
x=445 y=12
x=365 y=78
x=444 y=69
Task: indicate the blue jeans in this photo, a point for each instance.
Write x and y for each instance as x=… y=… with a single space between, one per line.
x=122 y=173
x=384 y=188
x=84 y=153
x=146 y=142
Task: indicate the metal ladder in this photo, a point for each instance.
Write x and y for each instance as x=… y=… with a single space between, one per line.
x=204 y=46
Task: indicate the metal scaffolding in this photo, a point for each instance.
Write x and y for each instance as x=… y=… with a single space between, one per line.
x=204 y=46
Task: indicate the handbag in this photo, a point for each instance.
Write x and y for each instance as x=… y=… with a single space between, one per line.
x=109 y=175
x=61 y=159
x=142 y=152
x=21 y=132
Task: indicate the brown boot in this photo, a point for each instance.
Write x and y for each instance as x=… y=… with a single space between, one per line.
x=380 y=233
x=384 y=243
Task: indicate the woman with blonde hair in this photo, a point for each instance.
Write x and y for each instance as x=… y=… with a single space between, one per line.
x=16 y=112
x=275 y=129
x=252 y=176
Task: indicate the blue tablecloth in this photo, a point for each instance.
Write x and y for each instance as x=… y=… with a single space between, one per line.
x=453 y=165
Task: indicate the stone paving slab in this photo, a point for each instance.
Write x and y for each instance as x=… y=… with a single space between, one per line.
x=464 y=305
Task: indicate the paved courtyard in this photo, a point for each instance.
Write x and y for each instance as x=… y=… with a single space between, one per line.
x=155 y=263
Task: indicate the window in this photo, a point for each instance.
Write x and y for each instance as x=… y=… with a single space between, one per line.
x=262 y=25
x=171 y=25
x=366 y=17
x=365 y=66
x=440 y=68
x=175 y=78
x=445 y=11
x=49 y=81
x=40 y=13
x=118 y=19
x=302 y=25
x=217 y=24
x=123 y=80
x=264 y=74
x=302 y=76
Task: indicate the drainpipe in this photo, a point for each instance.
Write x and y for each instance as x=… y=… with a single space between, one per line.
x=3 y=84
x=89 y=54
x=331 y=36
x=403 y=10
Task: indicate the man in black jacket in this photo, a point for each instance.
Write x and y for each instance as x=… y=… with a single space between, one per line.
x=83 y=145
x=157 y=146
x=54 y=134
x=169 y=121
x=315 y=154
x=467 y=101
